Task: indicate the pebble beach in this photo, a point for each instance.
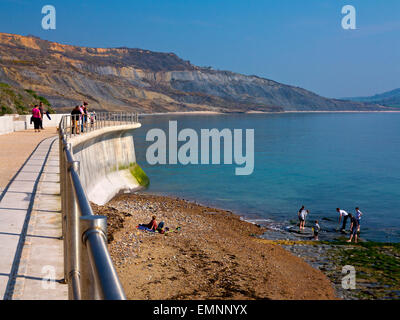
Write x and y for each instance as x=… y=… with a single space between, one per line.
x=214 y=254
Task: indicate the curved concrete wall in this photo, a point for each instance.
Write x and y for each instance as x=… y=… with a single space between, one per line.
x=105 y=156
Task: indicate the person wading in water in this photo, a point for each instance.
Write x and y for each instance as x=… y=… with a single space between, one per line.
x=353 y=228
x=302 y=217
x=345 y=216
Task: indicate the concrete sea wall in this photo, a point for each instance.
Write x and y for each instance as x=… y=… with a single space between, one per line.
x=15 y=122
x=107 y=158
x=6 y=124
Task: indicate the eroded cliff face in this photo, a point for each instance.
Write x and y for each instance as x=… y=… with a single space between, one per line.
x=122 y=79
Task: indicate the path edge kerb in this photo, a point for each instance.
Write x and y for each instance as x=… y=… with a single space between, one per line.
x=9 y=291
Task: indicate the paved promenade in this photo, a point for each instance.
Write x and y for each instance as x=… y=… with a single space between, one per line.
x=16 y=148
x=30 y=227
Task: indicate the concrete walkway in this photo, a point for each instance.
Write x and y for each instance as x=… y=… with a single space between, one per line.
x=18 y=146
x=31 y=251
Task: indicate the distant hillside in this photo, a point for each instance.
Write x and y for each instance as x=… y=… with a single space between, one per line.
x=390 y=98
x=122 y=79
x=18 y=100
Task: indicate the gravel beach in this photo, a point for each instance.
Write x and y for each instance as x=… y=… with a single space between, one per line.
x=214 y=255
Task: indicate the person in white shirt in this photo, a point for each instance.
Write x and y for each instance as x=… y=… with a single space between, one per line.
x=345 y=216
x=302 y=214
x=358 y=217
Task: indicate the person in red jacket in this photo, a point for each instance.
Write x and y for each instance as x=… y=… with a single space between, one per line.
x=36 y=118
x=152 y=225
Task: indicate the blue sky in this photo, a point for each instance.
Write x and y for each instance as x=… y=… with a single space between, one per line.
x=295 y=42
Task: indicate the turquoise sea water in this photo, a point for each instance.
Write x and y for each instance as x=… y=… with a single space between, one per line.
x=321 y=160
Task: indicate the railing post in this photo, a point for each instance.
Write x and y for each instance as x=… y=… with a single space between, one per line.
x=73 y=233
x=89 y=225
x=67 y=188
x=63 y=201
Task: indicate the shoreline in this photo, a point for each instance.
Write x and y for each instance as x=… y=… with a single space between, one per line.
x=256 y=112
x=215 y=255
x=133 y=252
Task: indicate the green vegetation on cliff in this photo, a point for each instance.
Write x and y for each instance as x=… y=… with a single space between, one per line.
x=41 y=99
x=5 y=110
x=15 y=100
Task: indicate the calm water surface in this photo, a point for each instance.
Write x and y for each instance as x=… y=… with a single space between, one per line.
x=321 y=160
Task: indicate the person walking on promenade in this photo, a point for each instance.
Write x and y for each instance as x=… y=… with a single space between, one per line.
x=42 y=114
x=353 y=228
x=36 y=117
x=345 y=216
x=75 y=115
x=302 y=217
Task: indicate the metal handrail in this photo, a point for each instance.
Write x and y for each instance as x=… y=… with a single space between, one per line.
x=82 y=123
x=88 y=268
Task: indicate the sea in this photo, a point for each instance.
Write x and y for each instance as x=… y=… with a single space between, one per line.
x=321 y=160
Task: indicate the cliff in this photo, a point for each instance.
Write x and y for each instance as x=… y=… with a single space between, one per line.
x=123 y=79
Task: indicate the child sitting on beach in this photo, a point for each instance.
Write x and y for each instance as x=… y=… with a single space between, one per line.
x=316 y=229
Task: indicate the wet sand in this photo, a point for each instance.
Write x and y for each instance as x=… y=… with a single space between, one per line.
x=215 y=255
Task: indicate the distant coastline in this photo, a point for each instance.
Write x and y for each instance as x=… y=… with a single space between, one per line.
x=258 y=112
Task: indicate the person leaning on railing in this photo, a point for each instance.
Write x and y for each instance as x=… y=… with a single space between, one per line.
x=92 y=118
x=84 y=112
x=75 y=115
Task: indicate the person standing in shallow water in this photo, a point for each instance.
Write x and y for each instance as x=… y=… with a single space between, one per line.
x=302 y=217
x=353 y=228
x=36 y=117
x=358 y=217
x=345 y=216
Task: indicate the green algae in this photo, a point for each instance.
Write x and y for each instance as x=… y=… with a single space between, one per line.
x=138 y=173
x=378 y=264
